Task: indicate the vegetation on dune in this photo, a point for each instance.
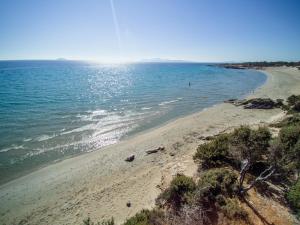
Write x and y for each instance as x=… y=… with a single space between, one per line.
x=293 y=99
x=232 y=209
x=293 y=120
x=289 y=136
x=296 y=107
x=88 y=221
x=293 y=104
x=288 y=149
x=249 y=147
x=147 y=217
x=214 y=153
x=246 y=143
x=219 y=181
x=179 y=192
x=244 y=147
x=204 y=200
x=293 y=197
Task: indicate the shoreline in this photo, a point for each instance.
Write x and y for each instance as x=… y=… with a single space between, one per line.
x=191 y=114
x=99 y=184
x=10 y=176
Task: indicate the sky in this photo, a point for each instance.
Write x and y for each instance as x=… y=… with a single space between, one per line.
x=133 y=30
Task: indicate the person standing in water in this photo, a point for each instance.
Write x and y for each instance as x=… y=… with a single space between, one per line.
x=189 y=84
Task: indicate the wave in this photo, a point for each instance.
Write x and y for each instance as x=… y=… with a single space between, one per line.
x=92 y=115
x=44 y=137
x=79 y=129
x=168 y=102
x=146 y=108
x=112 y=120
x=106 y=131
x=27 y=139
x=13 y=147
x=96 y=141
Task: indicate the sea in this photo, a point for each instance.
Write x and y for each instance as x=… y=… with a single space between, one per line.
x=55 y=109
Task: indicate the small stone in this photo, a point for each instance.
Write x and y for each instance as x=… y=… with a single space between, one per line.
x=128 y=204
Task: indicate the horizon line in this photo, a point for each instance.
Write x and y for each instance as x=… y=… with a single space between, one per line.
x=150 y=60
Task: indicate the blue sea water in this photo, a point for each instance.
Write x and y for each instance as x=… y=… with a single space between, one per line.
x=50 y=110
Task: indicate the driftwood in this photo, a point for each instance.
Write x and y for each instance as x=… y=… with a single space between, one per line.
x=262 y=177
x=130 y=158
x=244 y=168
x=155 y=150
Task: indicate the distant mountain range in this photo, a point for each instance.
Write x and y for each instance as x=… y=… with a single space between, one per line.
x=157 y=60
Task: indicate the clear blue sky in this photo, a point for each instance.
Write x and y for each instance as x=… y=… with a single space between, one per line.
x=113 y=30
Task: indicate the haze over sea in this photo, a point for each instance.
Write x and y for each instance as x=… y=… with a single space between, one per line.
x=50 y=110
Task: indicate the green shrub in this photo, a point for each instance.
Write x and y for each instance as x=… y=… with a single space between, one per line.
x=285 y=107
x=286 y=159
x=179 y=191
x=293 y=197
x=293 y=120
x=232 y=209
x=260 y=139
x=107 y=222
x=293 y=99
x=147 y=217
x=295 y=155
x=289 y=136
x=213 y=154
x=279 y=102
x=88 y=221
x=297 y=106
x=246 y=143
x=216 y=182
x=241 y=136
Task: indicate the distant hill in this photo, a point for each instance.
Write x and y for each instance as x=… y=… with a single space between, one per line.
x=159 y=60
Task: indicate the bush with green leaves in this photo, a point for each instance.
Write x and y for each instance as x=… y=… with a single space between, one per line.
x=293 y=120
x=213 y=153
x=233 y=210
x=219 y=181
x=147 y=217
x=285 y=107
x=294 y=155
x=285 y=150
x=88 y=221
x=242 y=143
x=297 y=106
x=179 y=191
x=293 y=197
x=247 y=143
x=293 y=99
x=289 y=136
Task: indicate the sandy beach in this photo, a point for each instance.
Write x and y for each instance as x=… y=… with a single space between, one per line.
x=99 y=184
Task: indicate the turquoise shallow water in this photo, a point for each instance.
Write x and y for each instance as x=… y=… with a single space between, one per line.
x=53 y=109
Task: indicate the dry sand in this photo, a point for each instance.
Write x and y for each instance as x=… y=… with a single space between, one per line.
x=99 y=184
